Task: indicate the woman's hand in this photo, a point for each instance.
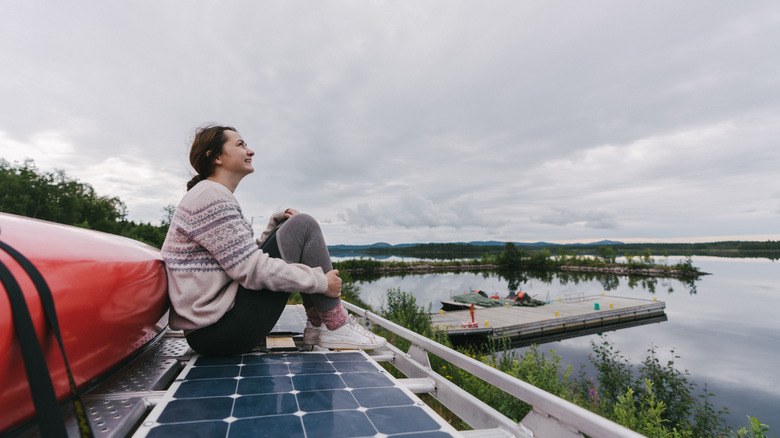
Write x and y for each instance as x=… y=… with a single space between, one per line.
x=289 y=213
x=334 y=284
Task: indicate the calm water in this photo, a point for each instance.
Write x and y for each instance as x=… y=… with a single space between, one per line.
x=726 y=330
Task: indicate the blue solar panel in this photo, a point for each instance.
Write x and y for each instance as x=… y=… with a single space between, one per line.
x=310 y=394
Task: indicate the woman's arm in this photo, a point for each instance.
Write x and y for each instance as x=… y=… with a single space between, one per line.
x=227 y=236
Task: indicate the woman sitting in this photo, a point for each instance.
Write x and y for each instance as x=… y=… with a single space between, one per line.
x=228 y=289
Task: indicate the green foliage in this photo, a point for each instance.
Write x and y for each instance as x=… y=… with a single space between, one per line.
x=541 y=259
x=673 y=399
x=144 y=232
x=613 y=371
x=647 y=415
x=755 y=429
x=671 y=387
x=607 y=253
x=363 y=265
x=511 y=257
x=492 y=396
x=686 y=266
x=401 y=307
x=57 y=198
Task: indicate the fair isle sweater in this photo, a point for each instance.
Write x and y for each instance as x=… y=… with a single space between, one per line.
x=210 y=249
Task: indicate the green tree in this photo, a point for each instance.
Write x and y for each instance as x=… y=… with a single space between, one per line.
x=541 y=259
x=607 y=253
x=55 y=197
x=511 y=257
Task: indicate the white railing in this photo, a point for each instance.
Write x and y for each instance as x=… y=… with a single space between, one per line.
x=551 y=416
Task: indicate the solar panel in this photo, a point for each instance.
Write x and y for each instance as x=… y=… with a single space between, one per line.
x=292 y=321
x=309 y=394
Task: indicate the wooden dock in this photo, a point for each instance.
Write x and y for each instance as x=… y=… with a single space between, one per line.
x=553 y=321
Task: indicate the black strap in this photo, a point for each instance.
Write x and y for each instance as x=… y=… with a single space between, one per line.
x=50 y=421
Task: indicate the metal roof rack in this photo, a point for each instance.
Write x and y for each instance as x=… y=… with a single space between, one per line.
x=123 y=401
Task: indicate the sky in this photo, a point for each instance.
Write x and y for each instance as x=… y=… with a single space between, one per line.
x=416 y=121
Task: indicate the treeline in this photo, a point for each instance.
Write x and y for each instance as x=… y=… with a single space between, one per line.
x=55 y=197
x=449 y=251
x=767 y=249
x=514 y=258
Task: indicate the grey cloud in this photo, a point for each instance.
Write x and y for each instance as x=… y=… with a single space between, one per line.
x=587 y=218
x=421 y=118
x=413 y=211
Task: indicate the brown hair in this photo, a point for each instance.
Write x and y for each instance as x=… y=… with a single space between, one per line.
x=206 y=147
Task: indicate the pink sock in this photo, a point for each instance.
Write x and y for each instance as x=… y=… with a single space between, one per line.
x=313 y=315
x=335 y=317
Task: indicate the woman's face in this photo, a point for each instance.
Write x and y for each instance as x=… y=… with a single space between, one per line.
x=236 y=157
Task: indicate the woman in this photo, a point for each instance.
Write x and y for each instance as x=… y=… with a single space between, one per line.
x=227 y=290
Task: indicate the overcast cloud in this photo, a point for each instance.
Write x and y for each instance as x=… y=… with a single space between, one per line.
x=416 y=121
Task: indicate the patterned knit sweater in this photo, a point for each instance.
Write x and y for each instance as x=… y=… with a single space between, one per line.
x=210 y=249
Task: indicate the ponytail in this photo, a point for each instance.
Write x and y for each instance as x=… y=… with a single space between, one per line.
x=195 y=179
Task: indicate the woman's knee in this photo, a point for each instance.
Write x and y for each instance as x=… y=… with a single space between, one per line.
x=303 y=219
x=301 y=224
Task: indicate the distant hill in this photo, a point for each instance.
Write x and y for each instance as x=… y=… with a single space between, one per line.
x=600 y=243
x=362 y=247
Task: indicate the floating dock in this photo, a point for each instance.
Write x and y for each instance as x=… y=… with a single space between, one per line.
x=553 y=321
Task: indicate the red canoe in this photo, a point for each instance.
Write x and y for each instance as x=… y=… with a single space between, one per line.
x=109 y=293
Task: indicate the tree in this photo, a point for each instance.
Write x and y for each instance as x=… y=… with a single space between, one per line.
x=167 y=217
x=541 y=258
x=511 y=256
x=607 y=253
x=55 y=197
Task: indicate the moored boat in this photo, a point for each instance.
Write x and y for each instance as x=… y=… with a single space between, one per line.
x=480 y=299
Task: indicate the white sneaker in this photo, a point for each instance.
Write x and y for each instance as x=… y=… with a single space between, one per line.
x=350 y=336
x=311 y=334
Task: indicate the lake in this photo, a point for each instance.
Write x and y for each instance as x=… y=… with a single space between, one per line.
x=726 y=330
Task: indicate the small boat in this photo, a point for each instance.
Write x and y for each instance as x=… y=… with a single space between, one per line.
x=480 y=299
x=109 y=293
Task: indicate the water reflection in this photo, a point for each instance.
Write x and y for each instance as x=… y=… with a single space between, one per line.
x=724 y=326
x=516 y=280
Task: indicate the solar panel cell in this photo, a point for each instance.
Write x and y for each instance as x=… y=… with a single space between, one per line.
x=336 y=394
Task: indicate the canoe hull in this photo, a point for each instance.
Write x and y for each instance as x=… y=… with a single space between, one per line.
x=109 y=293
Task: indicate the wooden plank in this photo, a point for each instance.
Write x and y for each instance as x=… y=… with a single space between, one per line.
x=280 y=343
